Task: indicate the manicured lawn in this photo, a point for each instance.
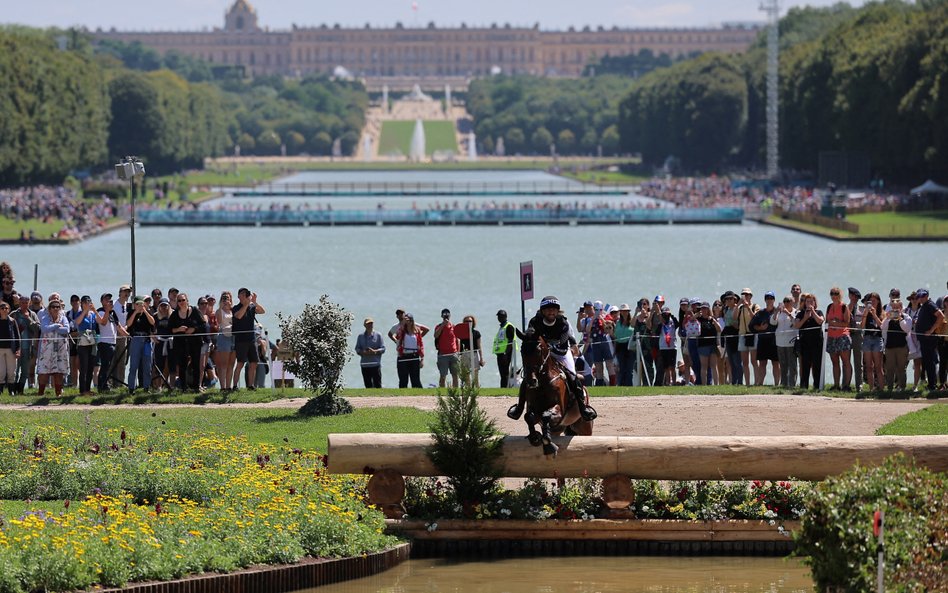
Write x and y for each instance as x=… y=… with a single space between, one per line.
x=881 y=225
x=930 y=420
x=396 y=137
x=278 y=427
x=901 y=224
x=11 y=229
x=609 y=177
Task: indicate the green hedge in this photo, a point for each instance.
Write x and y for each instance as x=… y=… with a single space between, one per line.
x=836 y=532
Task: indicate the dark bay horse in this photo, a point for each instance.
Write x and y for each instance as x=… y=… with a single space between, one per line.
x=549 y=402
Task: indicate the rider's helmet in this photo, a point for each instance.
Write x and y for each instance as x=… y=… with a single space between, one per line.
x=549 y=302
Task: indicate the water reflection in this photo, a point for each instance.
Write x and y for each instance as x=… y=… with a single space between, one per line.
x=587 y=575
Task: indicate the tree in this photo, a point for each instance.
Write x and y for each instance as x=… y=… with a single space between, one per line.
x=541 y=140
x=246 y=143
x=268 y=142
x=54 y=110
x=565 y=141
x=610 y=140
x=294 y=142
x=318 y=343
x=467 y=445
x=321 y=143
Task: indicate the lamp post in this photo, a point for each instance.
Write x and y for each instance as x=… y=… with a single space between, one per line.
x=131 y=168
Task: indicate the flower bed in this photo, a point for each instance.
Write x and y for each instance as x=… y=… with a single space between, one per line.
x=578 y=498
x=160 y=506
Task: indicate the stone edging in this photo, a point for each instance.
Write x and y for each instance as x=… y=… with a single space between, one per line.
x=306 y=574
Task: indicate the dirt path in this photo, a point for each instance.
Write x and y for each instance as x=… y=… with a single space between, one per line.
x=664 y=415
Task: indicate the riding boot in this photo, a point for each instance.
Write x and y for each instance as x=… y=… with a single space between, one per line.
x=587 y=412
x=516 y=410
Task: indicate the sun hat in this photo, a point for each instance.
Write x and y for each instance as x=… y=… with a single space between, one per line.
x=625 y=307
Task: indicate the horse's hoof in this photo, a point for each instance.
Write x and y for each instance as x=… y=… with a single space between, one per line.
x=534 y=439
x=515 y=412
x=550 y=449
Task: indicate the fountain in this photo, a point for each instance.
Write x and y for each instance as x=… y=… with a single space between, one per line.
x=447 y=101
x=366 y=148
x=337 y=148
x=417 y=153
x=471 y=147
x=499 y=147
x=385 y=98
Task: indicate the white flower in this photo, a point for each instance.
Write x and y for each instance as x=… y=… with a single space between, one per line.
x=431 y=527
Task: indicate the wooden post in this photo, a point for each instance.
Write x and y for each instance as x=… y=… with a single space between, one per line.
x=386 y=490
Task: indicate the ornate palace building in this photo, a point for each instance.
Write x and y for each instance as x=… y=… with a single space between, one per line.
x=426 y=53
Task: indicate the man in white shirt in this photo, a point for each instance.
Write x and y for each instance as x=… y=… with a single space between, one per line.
x=122 y=309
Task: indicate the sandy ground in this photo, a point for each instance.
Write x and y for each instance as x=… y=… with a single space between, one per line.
x=706 y=415
x=668 y=415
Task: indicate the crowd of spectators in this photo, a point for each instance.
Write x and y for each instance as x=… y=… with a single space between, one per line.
x=151 y=342
x=710 y=192
x=48 y=204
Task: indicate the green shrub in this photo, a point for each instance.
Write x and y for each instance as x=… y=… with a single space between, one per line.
x=836 y=532
x=319 y=340
x=467 y=445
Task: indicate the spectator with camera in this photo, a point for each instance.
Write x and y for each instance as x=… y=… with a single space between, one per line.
x=896 y=328
x=245 y=343
x=140 y=327
x=809 y=322
x=872 y=345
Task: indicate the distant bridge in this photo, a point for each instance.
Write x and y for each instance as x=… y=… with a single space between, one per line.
x=452 y=188
x=561 y=215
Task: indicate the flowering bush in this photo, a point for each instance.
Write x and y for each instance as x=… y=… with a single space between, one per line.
x=430 y=498
x=836 y=532
x=579 y=499
x=158 y=507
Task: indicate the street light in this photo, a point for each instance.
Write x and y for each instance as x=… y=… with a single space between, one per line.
x=131 y=168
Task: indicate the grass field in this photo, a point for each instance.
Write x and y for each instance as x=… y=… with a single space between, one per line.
x=11 y=229
x=259 y=425
x=880 y=225
x=930 y=420
x=902 y=224
x=608 y=177
x=396 y=137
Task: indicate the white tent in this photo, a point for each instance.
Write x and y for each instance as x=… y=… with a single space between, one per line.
x=929 y=187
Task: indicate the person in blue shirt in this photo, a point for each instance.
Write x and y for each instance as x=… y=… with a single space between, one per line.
x=370 y=347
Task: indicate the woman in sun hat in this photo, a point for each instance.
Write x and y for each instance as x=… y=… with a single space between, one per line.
x=52 y=359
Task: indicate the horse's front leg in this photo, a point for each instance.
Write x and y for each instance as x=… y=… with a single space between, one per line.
x=549 y=447
x=533 y=436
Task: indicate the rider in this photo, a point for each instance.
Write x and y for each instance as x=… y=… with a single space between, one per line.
x=553 y=326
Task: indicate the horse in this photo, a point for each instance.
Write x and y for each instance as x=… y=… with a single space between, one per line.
x=549 y=401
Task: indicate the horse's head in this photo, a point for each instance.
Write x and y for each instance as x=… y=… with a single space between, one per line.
x=535 y=352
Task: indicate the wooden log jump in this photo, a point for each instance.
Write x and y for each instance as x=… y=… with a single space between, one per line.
x=665 y=458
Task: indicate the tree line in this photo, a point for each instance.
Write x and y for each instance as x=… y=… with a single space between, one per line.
x=534 y=115
x=870 y=81
x=69 y=105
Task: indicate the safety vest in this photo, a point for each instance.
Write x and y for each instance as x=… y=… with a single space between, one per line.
x=500 y=340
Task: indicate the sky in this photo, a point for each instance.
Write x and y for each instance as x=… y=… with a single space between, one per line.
x=196 y=15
